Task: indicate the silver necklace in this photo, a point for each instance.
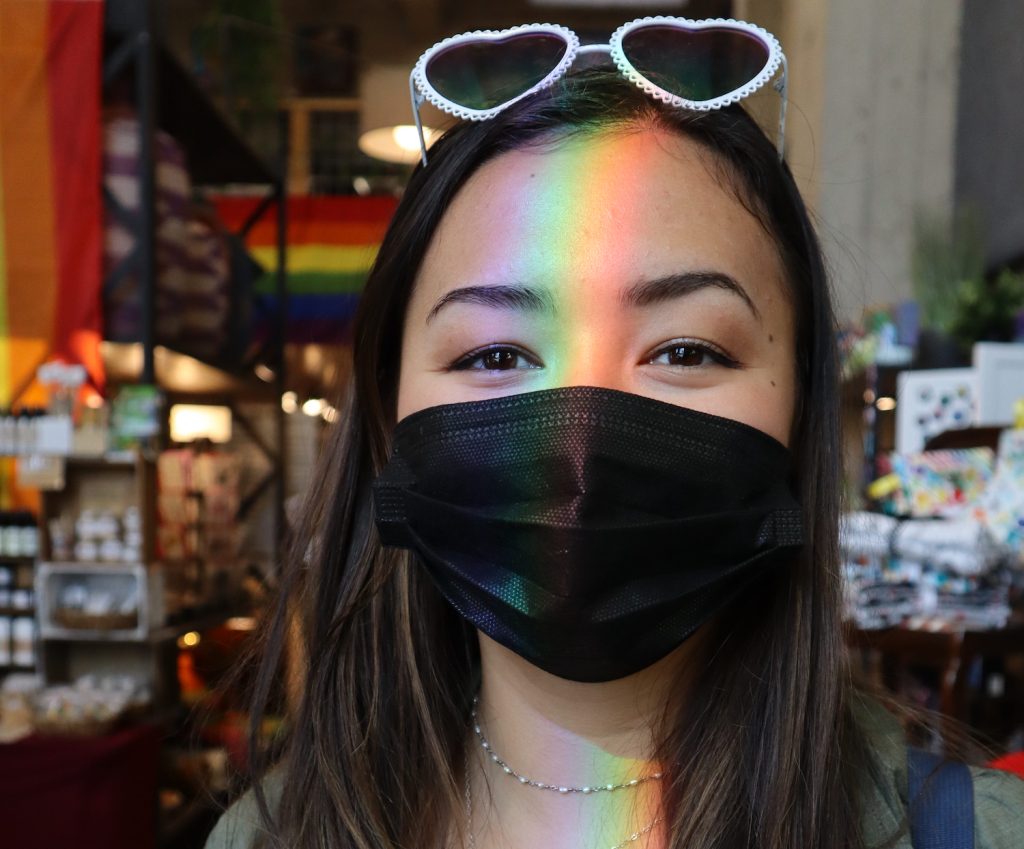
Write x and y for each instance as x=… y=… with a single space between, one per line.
x=471 y=838
x=541 y=785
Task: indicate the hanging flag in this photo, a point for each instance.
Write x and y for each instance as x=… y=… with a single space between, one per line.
x=50 y=201
x=332 y=243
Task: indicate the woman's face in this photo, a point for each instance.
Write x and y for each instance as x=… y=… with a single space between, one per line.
x=616 y=260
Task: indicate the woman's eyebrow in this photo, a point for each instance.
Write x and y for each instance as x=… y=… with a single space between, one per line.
x=661 y=289
x=641 y=294
x=523 y=298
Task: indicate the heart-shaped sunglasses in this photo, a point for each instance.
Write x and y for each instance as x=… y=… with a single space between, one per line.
x=700 y=65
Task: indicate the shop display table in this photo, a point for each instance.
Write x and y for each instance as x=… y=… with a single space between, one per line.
x=86 y=793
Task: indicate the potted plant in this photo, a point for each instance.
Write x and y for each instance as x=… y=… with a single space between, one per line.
x=947 y=256
x=988 y=310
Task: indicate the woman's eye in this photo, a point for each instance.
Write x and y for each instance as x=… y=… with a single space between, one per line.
x=495 y=359
x=690 y=355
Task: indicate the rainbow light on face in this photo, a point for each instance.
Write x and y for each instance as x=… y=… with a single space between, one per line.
x=580 y=212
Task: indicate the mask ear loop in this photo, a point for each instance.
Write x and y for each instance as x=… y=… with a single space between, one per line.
x=781 y=86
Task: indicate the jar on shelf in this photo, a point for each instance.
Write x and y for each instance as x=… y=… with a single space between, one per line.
x=23 y=642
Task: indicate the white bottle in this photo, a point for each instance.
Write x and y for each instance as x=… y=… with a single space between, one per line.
x=5 y=641
x=23 y=643
x=10 y=539
x=25 y=443
x=7 y=442
x=29 y=540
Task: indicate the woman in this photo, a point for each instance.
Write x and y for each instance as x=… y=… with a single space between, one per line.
x=574 y=578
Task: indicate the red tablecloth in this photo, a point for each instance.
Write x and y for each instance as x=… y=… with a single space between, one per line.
x=94 y=793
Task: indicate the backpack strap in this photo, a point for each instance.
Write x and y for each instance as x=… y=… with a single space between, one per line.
x=940 y=802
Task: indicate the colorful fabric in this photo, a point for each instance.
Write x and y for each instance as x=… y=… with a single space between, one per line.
x=1002 y=505
x=332 y=243
x=941 y=483
x=192 y=297
x=50 y=202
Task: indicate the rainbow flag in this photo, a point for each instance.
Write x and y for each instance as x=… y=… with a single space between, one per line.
x=50 y=203
x=332 y=243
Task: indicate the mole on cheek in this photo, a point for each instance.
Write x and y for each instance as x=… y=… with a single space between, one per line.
x=771 y=338
x=773 y=383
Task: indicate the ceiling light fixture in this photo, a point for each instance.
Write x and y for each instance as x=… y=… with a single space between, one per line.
x=190 y=422
x=385 y=112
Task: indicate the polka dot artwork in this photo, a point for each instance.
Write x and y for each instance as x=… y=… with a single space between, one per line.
x=932 y=401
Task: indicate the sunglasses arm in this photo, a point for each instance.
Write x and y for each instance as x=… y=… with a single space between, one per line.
x=417 y=99
x=781 y=87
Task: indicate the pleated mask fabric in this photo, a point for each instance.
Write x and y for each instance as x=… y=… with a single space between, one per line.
x=589 y=530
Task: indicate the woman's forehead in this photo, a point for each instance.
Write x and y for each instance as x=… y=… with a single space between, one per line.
x=616 y=205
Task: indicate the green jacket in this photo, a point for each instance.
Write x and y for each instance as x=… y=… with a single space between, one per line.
x=998 y=799
x=998 y=795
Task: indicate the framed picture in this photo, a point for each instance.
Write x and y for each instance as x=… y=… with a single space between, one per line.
x=1000 y=370
x=931 y=401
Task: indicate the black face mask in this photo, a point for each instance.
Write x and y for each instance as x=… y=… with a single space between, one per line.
x=589 y=530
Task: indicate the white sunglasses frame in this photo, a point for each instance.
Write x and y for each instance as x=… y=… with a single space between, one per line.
x=420 y=89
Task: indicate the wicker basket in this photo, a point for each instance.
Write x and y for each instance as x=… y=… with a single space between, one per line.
x=78 y=728
x=79 y=621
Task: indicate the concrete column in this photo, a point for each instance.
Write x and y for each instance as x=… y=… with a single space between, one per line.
x=990 y=129
x=872 y=128
x=801 y=27
x=888 y=139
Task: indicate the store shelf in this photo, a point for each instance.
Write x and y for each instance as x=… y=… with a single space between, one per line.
x=157 y=635
x=183 y=374
x=112 y=460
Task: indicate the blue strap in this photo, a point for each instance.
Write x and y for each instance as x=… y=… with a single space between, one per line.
x=941 y=802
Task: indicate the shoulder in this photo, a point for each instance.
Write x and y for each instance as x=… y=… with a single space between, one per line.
x=882 y=786
x=998 y=809
x=241 y=824
x=998 y=795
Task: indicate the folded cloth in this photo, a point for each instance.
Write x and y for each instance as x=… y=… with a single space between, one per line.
x=963 y=546
x=942 y=483
x=863 y=534
x=1002 y=507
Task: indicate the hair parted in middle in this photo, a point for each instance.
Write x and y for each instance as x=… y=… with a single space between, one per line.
x=765 y=751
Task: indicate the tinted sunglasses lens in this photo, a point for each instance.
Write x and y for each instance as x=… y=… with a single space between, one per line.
x=696 y=64
x=484 y=74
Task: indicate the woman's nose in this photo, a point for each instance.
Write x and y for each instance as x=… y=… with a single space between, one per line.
x=591 y=364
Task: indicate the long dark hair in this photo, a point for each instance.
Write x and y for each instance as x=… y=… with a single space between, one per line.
x=769 y=754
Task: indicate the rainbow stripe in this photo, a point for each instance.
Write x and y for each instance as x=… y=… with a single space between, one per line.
x=332 y=243
x=50 y=203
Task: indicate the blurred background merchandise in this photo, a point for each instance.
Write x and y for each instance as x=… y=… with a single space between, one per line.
x=193 y=192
